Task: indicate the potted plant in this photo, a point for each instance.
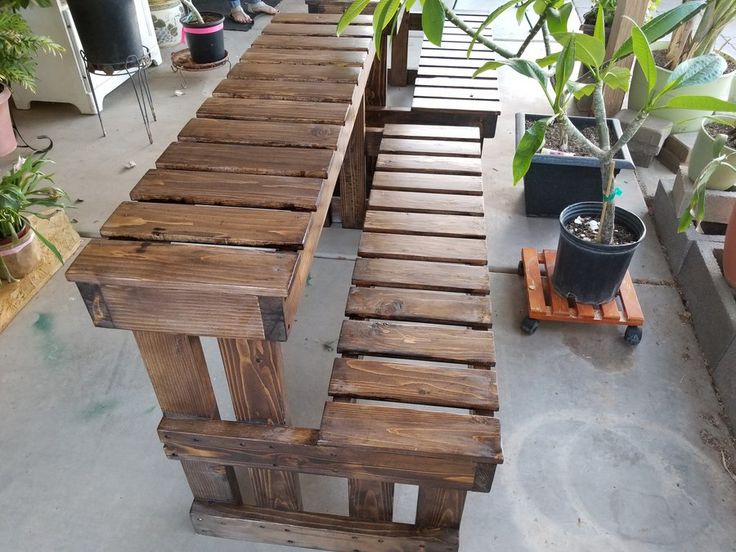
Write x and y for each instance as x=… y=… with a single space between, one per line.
x=204 y=33
x=717 y=136
x=18 y=47
x=25 y=190
x=689 y=42
x=589 y=17
x=597 y=239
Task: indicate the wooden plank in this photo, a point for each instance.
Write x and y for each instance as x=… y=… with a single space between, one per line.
x=439 y=507
x=352 y=178
x=610 y=311
x=398 y=74
x=533 y=280
x=586 y=312
x=305 y=57
x=437 y=343
x=490 y=94
x=419 y=306
x=421 y=275
x=297 y=73
x=371 y=500
x=261 y=133
x=454 y=72
x=477 y=53
x=488 y=106
x=428 y=183
x=316 y=29
x=423 y=248
x=452 y=82
x=234 y=190
x=253 y=109
x=630 y=302
x=178 y=373
x=455 y=44
x=414 y=384
x=429 y=164
x=318 y=531
x=318 y=18
x=424 y=224
x=236 y=158
x=458 y=63
x=417 y=202
x=376 y=88
x=207 y=224
x=430 y=147
x=313 y=43
x=439 y=434
x=560 y=306
x=299 y=91
x=432 y=132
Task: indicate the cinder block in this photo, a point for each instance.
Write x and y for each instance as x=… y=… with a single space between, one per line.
x=676 y=150
x=653 y=132
x=642 y=154
x=718 y=204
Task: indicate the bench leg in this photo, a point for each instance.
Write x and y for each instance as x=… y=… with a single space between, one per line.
x=254 y=371
x=180 y=379
x=353 y=195
x=375 y=90
x=398 y=74
x=371 y=500
x=440 y=507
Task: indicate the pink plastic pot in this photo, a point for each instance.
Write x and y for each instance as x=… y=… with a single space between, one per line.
x=7 y=136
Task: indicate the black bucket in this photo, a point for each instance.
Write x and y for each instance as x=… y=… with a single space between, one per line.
x=108 y=30
x=590 y=272
x=206 y=41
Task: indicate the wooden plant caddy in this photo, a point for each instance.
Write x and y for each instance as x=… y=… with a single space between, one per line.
x=544 y=303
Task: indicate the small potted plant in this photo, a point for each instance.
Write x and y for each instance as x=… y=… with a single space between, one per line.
x=717 y=136
x=204 y=33
x=24 y=191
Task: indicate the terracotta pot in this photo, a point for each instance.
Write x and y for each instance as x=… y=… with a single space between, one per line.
x=22 y=256
x=729 y=251
x=7 y=136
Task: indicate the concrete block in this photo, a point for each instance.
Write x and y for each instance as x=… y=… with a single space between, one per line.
x=676 y=150
x=718 y=204
x=712 y=304
x=648 y=140
x=642 y=154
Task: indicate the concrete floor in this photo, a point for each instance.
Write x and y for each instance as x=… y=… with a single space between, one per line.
x=607 y=447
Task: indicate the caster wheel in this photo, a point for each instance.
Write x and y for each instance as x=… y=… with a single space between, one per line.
x=520 y=268
x=633 y=335
x=529 y=325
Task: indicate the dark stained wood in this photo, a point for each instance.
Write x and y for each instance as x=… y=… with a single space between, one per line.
x=438 y=507
x=376 y=89
x=426 y=224
x=437 y=343
x=416 y=202
x=371 y=500
x=352 y=177
x=305 y=57
x=414 y=383
x=299 y=91
x=423 y=248
x=299 y=73
x=432 y=132
x=421 y=275
x=313 y=43
x=96 y=305
x=316 y=29
x=248 y=109
x=399 y=53
x=207 y=224
x=420 y=306
x=428 y=164
x=440 y=434
x=319 y=531
x=429 y=183
x=261 y=133
x=430 y=147
x=278 y=161
x=234 y=190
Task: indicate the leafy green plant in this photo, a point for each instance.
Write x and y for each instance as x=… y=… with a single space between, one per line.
x=609 y=11
x=27 y=190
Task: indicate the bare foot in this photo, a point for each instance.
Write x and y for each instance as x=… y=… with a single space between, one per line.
x=262 y=7
x=239 y=16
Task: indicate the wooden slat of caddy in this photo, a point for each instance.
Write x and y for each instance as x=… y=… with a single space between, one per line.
x=300 y=73
x=316 y=29
x=559 y=303
x=422 y=223
x=532 y=275
x=419 y=306
x=414 y=384
x=234 y=190
x=261 y=133
x=421 y=275
x=430 y=147
x=207 y=224
x=417 y=202
x=437 y=343
x=313 y=43
x=299 y=91
x=423 y=248
x=281 y=161
x=428 y=164
x=440 y=434
x=319 y=18
x=308 y=57
x=432 y=132
x=630 y=302
x=254 y=109
x=430 y=183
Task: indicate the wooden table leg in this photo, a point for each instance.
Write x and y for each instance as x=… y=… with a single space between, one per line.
x=371 y=500
x=440 y=507
x=254 y=371
x=375 y=89
x=398 y=74
x=180 y=379
x=353 y=193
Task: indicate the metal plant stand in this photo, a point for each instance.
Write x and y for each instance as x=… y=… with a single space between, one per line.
x=181 y=62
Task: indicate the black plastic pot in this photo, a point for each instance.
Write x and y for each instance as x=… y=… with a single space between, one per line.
x=590 y=272
x=206 y=41
x=555 y=181
x=108 y=30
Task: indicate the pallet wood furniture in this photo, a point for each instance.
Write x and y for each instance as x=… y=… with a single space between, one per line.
x=544 y=303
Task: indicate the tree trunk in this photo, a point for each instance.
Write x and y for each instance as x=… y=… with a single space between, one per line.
x=605 y=231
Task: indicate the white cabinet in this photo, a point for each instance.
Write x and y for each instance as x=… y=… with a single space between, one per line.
x=62 y=78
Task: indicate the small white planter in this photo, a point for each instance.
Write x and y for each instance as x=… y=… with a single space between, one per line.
x=702 y=154
x=166 y=17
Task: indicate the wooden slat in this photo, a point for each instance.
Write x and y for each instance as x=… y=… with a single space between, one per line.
x=309 y=29
x=423 y=248
x=450 y=62
x=232 y=158
x=318 y=18
x=630 y=302
x=438 y=507
x=428 y=164
x=437 y=343
x=414 y=383
x=419 y=306
x=432 y=132
x=533 y=279
x=430 y=147
x=461 y=45
x=560 y=306
x=305 y=57
x=490 y=94
x=207 y=224
x=254 y=109
x=610 y=311
x=352 y=177
x=454 y=72
x=370 y=500
x=299 y=91
x=234 y=190
x=454 y=82
x=456 y=105
x=477 y=53
x=261 y=133
x=421 y=275
x=429 y=183
x=298 y=73
x=313 y=43
x=432 y=433
x=425 y=224
x=417 y=202
x=585 y=311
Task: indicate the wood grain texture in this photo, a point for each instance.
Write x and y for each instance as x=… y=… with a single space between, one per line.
x=430 y=147
x=450 y=105
x=316 y=29
x=428 y=164
x=432 y=132
x=454 y=72
x=422 y=432
x=414 y=383
x=429 y=183
x=298 y=91
x=319 y=18
x=207 y=224
x=419 y=306
x=417 y=202
x=352 y=179
x=306 y=57
x=313 y=43
x=438 y=343
x=376 y=89
x=423 y=248
x=298 y=73
x=455 y=82
x=398 y=75
x=371 y=500
x=438 y=507
x=424 y=224
x=490 y=94
x=233 y=190
x=421 y=275
x=254 y=109
x=630 y=302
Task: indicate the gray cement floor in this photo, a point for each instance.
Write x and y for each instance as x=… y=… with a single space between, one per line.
x=608 y=448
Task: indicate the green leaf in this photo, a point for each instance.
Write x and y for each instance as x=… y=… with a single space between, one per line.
x=384 y=13
x=662 y=25
x=355 y=9
x=644 y=56
x=540 y=6
x=521 y=66
x=563 y=70
x=718 y=144
x=580 y=90
x=589 y=51
x=696 y=71
x=529 y=144
x=617 y=78
x=521 y=10
x=488 y=20
x=548 y=60
x=703 y=103
x=46 y=242
x=433 y=20
x=599 y=33
x=557 y=19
